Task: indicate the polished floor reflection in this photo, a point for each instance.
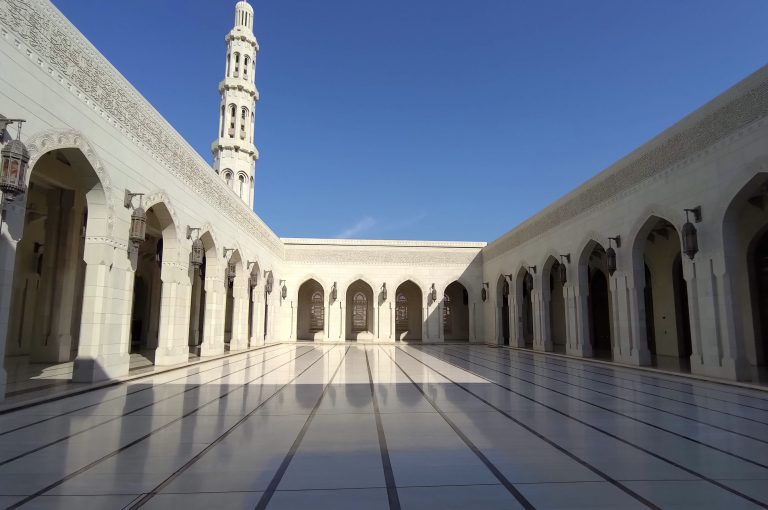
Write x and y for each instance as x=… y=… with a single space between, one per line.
x=407 y=426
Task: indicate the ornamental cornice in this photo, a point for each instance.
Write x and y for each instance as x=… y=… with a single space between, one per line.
x=43 y=34
x=724 y=121
x=301 y=241
x=340 y=256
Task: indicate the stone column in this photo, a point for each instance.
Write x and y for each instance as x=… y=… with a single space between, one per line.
x=240 y=314
x=215 y=308
x=629 y=337
x=106 y=317
x=175 y=308
x=257 y=327
x=10 y=233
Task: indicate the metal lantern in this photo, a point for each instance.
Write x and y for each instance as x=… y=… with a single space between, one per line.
x=284 y=291
x=483 y=294
x=334 y=293
x=198 y=252
x=253 y=279
x=231 y=271
x=562 y=272
x=433 y=293
x=138 y=231
x=690 y=235
x=14 y=160
x=269 y=282
x=690 y=240
x=610 y=255
x=383 y=291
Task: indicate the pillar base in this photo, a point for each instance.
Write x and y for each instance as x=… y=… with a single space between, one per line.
x=212 y=349
x=57 y=350
x=256 y=342
x=238 y=344
x=100 y=368
x=734 y=370
x=3 y=382
x=172 y=356
x=543 y=348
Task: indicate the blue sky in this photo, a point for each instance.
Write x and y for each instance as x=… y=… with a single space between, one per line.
x=431 y=119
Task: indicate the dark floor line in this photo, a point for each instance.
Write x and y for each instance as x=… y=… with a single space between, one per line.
x=467 y=441
x=654 y=394
x=515 y=366
x=111 y=384
x=119 y=417
x=605 y=476
x=42 y=387
x=142 y=438
x=607 y=409
x=266 y=497
x=386 y=462
x=126 y=395
x=173 y=476
x=593 y=427
x=644 y=379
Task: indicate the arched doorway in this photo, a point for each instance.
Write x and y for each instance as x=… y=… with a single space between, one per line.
x=593 y=280
x=201 y=286
x=745 y=229
x=234 y=289
x=456 y=313
x=253 y=282
x=524 y=294
x=310 y=311
x=158 y=245
x=556 y=305
x=408 y=312
x=657 y=254
x=360 y=311
x=759 y=270
x=502 y=300
x=49 y=271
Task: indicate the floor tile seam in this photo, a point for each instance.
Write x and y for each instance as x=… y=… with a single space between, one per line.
x=656 y=395
x=617 y=370
x=127 y=446
x=176 y=473
x=644 y=391
x=662 y=375
x=389 y=476
x=277 y=477
x=495 y=471
x=609 y=434
x=115 y=418
x=658 y=427
x=130 y=382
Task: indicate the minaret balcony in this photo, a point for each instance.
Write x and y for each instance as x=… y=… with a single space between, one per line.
x=239 y=84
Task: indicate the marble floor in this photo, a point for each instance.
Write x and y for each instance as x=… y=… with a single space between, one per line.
x=407 y=426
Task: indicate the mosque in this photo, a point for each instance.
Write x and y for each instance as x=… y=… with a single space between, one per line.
x=122 y=245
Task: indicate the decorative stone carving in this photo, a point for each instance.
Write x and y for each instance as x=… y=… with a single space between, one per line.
x=51 y=39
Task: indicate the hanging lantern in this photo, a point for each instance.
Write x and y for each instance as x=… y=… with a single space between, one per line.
x=383 y=291
x=562 y=272
x=433 y=293
x=483 y=294
x=284 y=291
x=198 y=252
x=138 y=231
x=14 y=160
x=690 y=235
x=610 y=255
x=333 y=292
x=253 y=279
x=269 y=282
x=231 y=271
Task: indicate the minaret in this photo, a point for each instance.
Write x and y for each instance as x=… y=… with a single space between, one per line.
x=234 y=153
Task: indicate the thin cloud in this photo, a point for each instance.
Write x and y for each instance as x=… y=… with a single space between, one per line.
x=364 y=225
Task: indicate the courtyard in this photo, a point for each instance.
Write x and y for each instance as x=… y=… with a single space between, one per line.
x=391 y=426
